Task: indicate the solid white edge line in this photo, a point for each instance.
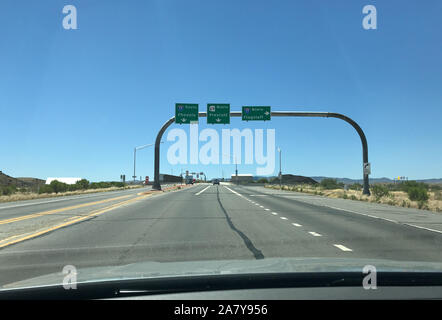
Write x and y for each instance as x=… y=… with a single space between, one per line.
x=386 y=219
x=428 y=229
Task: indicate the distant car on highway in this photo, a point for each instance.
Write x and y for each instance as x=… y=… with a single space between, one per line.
x=215 y=181
x=189 y=180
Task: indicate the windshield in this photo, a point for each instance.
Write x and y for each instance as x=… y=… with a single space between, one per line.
x=182 y=138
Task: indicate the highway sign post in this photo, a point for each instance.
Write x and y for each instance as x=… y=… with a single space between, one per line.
x=186 y=113
x=367 y=168
x=256 y=113
x=218 y=113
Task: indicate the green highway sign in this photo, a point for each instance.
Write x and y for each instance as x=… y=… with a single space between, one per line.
x=252 y=113
x=186 y=113
x=218 y=113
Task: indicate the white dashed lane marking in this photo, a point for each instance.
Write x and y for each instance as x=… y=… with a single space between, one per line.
x=343 y=248
x=315 y=234
x=197 y=194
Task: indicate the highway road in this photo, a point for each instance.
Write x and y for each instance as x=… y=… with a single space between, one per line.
x=206 y=222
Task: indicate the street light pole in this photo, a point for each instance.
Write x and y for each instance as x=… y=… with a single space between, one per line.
x=135 y=155
x=236 y=170
x=280 y=172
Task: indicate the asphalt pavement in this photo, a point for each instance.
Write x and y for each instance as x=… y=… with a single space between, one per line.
x=203 y=222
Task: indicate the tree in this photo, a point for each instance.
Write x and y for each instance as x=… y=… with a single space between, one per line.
x=58 y=186
x=82 y=184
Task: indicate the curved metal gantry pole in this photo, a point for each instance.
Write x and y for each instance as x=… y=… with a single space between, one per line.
x=366 y=188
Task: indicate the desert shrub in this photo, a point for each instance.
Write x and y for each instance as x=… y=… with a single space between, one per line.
x=46 y=188
x=391 y=202
x=355 y=186
x=422 y=205
x=118 y=184
x=407 y=185
x=331 y=184
x=263 y=180
x=7 y=190
x=353 y=197
x=417 y=194
x=380 y=191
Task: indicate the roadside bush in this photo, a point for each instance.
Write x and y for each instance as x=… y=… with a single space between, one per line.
x=417 y=194
x=331 y=184
x=379 y=191
x=355 y=186
x=46 y=188
x=7 y=190
x=263 y=180
x=422 y=205
x=118 y=184
x=104 y=185
x=407 y=185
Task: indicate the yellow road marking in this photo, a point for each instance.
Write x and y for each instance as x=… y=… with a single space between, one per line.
x=36 y=215
x=70 y=222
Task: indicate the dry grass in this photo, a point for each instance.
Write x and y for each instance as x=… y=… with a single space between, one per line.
x=395 y=198
x=32 y=195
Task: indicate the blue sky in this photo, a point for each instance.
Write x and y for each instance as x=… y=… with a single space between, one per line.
x=76 y=102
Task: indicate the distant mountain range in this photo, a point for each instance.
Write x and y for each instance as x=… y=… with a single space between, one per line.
x=374 y=180
x=351 y=181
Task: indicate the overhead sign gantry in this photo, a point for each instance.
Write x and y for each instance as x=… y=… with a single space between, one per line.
x=185 y=113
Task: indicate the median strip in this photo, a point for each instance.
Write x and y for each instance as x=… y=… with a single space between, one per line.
x=69 y=222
